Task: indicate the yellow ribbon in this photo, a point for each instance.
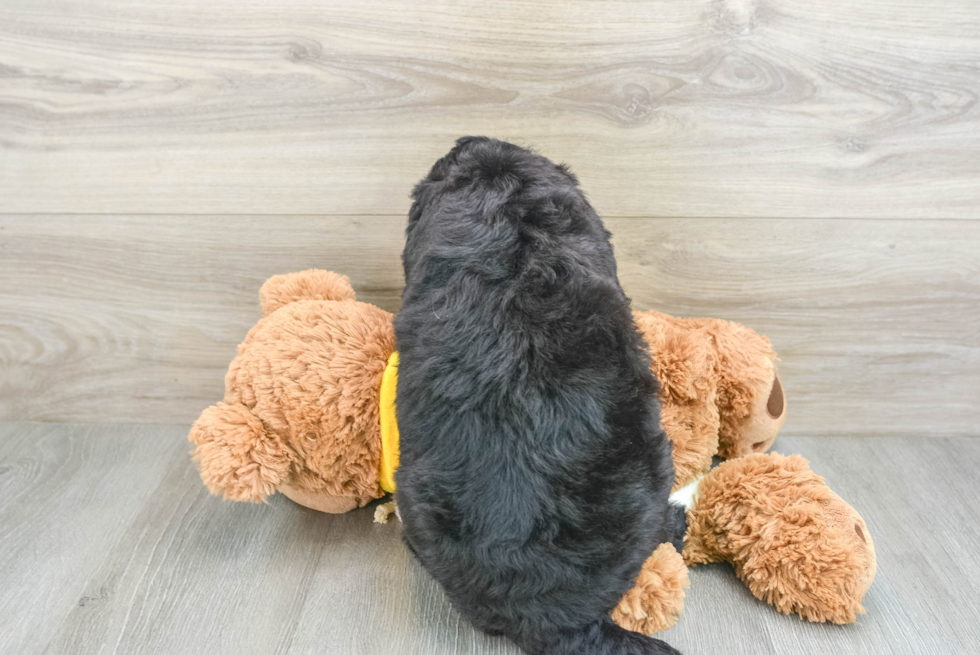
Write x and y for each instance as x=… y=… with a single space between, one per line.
x=389 y=425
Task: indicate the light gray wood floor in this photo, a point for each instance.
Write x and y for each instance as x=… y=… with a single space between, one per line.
x=111 y=544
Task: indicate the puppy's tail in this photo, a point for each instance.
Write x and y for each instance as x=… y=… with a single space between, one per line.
x=606 y=638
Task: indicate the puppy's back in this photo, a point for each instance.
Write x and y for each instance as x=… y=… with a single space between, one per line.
x=534 y=474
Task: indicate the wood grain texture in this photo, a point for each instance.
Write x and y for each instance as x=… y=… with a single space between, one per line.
x=67 y=495
x=114 y=317
x=133 y=556
x=777 y=108
x=877 y=323
x=119 y=318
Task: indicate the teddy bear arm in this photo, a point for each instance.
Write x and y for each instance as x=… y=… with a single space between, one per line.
x=237 y=457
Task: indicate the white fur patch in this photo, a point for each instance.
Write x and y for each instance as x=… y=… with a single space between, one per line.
x=687 y=494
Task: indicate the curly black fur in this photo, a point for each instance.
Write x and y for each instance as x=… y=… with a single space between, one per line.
x=534 y=471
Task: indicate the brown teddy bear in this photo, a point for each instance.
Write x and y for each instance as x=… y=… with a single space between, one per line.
x=795 y=543
x=719 y=390
x=301 y=412
x=309 y=411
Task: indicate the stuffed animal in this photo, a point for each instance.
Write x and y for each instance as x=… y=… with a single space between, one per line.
x=301 y=411
x=795 y=543
x=309 y=411
x=719 y=390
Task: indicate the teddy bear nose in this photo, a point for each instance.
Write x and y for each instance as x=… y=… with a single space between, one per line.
x=776 y=403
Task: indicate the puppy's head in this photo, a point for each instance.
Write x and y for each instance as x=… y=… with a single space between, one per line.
x=481 y=197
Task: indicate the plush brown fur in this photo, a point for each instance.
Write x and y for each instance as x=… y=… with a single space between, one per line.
x=715 y=380
x=313 y=284
x=300 y=415
x=300 y=407
x=684 y=360
x=720 y=394
x=301 y=398
x=792 y=540
x=657 y=598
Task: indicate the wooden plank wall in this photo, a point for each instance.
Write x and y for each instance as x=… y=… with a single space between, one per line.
x=810 y=169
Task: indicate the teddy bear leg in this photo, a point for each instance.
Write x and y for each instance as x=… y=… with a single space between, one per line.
x=657 y=598
x=794 y=543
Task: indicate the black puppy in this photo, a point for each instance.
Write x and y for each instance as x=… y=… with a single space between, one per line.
x=534 y=471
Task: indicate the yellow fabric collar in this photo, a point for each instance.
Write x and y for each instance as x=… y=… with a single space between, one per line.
x=390 y=451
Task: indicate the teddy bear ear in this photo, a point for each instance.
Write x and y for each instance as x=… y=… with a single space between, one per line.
x=312 y=284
